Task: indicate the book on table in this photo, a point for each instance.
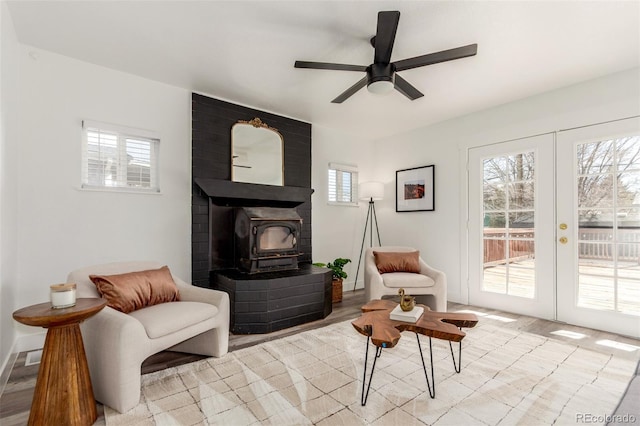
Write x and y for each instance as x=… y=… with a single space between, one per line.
x=397 y=314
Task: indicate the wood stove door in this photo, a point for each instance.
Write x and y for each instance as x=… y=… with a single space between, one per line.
x=275 y=238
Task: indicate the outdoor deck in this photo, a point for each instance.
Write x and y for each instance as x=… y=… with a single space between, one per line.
x=597 y=247
x=596 y=288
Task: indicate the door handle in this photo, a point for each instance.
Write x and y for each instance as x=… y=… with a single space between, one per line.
x=563 y=240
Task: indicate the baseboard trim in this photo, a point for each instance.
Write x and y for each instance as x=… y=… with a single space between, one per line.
x=6 y=370
x=348 y=286
x=30 y=342
x=24 y=343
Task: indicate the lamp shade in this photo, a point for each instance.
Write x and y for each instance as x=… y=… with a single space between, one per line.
x=371 y=190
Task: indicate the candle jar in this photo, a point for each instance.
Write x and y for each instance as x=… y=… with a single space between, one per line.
x=63 y=295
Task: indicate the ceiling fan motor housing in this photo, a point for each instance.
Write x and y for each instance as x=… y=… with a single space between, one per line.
x=380 y=72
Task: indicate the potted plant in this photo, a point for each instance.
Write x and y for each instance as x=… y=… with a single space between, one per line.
x=338 y=274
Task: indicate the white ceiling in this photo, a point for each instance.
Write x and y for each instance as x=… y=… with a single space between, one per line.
x=244 y=51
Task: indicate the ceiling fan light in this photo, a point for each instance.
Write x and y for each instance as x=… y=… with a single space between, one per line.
x=380 y=87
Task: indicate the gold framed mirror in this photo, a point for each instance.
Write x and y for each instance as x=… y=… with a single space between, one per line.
x=257 y=153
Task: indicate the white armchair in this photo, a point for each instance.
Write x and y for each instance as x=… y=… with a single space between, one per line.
x=116 y=343
x=429 y=281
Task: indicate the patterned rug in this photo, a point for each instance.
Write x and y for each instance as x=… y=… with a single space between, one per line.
x=508 y=377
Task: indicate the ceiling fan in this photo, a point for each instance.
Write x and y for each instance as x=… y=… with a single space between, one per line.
x=382 y=74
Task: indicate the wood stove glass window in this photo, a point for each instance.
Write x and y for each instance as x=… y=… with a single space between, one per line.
x=277 y=238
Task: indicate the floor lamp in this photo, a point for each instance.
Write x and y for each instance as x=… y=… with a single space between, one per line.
x=372 y=192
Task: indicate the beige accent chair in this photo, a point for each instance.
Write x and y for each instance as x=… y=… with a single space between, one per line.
x=429 y=281
x=116 y=343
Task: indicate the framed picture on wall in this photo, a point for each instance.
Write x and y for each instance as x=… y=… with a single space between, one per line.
x=415 y=189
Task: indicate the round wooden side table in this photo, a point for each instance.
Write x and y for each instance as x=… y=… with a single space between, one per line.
x=63 y=393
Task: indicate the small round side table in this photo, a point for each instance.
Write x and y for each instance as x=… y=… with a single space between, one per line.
x=63 y=393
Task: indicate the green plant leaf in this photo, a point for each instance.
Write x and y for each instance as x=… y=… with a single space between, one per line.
x=337 y=265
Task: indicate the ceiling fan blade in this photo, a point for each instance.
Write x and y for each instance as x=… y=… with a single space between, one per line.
x=385 y=35
x=329 y=66
x=404 y=87
x=350 y=91
x=434 y=58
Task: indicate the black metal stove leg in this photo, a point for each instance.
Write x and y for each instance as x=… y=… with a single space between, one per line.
x=363 y=400
x=457 y=367
x=432 y=389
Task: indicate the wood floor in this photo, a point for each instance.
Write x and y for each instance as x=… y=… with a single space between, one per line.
x=15 y=399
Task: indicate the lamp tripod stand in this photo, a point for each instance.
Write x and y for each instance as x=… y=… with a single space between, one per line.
x=371 y=217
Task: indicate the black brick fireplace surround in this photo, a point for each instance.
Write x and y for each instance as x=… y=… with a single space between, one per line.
x=276 y=300
x=264 y=302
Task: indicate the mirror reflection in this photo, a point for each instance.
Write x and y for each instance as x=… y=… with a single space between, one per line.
x=256 y=153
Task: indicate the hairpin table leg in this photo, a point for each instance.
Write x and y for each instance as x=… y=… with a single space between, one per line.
x=457 y=367
x=363 y=400
x=432 y=388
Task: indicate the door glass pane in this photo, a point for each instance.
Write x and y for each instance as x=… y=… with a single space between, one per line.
x=596 y=258
x=494 y=277
x=509 y=228
x=521 y=195
x=521 y=166
x=596 y=292
x=596 y=219
x=595 y=190
x=520 y=222
x=521 y=275
x=594 y=158
x=495 y=170
x=494 y=225
x=628 y=295
x=608 y=209
x=627 y=149
x=629 y=188
x=494 y=197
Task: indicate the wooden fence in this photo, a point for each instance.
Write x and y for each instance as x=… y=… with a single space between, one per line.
x=597 y=243
x=593 y=243
x=521 y=245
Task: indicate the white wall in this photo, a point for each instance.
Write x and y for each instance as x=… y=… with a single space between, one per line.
x=49 y=226
x=9 y=51
x=440 y=235
x=337 y=230
x=61 y=227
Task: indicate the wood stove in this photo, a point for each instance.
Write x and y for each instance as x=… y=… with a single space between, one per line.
x=266 y=239
x=259 y=245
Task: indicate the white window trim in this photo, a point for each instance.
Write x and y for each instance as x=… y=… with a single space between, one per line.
x=353 y=169
x=123 y=132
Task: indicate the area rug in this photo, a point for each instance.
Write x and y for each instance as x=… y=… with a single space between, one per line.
x=508 y=377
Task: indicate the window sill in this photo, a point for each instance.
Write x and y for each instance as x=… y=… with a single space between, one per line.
x=334 y=203
x=119 y=190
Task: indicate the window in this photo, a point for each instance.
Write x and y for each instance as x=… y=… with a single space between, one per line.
x=116 y=157
x=343 y=184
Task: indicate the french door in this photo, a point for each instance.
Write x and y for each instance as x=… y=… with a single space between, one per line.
x=598 y=225
x=511 y=243
x=554 y=226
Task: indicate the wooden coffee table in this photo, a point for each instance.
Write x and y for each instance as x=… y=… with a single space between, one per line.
x=385 y=333
x=63 y=394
